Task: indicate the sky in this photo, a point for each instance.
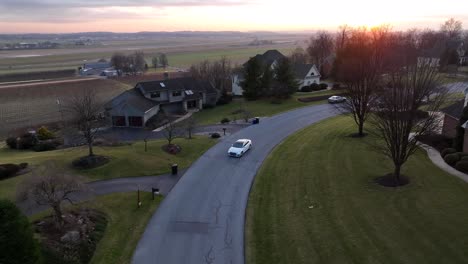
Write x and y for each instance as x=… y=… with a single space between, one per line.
x=65 y=16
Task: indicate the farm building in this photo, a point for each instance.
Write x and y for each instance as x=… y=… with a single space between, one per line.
x=133 y=108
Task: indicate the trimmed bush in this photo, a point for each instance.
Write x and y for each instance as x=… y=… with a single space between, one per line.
x=90 y=162
x=215 y=135
x=225 y=120
x=44 y=134
x=314 y=87
x=446 y=151
x=306 y=89
x=462 y=165
x=452 y=159
x=323 y=86
x=8 y=170
x=11 y=142
x=437 y=141
x=23 y=165
x=464 y=158
x=26 y=141
x=46 y=145
x=18 y=244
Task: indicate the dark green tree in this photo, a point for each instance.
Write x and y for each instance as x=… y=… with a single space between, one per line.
x=17 y=242
x=252 y=83
x=163 y=60
x=266 y=81
x=285 y=83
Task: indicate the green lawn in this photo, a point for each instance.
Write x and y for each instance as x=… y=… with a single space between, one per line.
x=314 y=201
x=256 y=108
x=126 y=161
x=126 y=224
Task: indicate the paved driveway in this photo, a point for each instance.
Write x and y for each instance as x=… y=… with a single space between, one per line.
x=202 y=218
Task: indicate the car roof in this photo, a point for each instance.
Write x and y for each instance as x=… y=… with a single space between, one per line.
x=242 y=140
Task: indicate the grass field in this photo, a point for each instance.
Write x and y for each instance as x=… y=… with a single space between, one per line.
x=314 y=201
x=32 y=105
x=256 y=108
x=126 y=161
x=179 y=55
x=126 y=224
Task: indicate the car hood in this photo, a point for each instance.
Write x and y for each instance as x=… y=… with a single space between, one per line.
x=235 y=150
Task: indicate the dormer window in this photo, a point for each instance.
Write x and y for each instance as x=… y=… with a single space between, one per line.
x=176 y=93
x=155 y=95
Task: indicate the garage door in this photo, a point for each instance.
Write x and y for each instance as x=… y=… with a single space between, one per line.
x=135 y=121
x=118 y=121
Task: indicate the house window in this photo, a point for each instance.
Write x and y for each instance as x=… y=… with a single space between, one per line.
x=155 y=95
x=176 y=93
x=312 y=74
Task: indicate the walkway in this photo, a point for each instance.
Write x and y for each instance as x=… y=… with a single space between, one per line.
x=435 y=157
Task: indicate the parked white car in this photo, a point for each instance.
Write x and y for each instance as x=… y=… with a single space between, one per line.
x=240 y=147
x=335 y=99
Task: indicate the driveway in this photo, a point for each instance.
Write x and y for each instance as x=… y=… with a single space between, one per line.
x=202 y=219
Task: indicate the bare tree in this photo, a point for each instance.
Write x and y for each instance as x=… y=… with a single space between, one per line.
x=50 y=185
x=342 y=36
x=85 y=111
x=298 y=56
x=361 y=65
x=320 y=47
x=452 y=28
x=217 y=73
x=170 y=130
x=190 y=125
x=398 y=121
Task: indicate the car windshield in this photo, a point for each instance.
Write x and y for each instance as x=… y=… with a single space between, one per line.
x=238 y=144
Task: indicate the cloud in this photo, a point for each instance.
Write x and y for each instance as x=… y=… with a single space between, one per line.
x=52 y=11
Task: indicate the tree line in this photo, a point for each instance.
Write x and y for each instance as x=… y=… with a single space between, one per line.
x=135 y=63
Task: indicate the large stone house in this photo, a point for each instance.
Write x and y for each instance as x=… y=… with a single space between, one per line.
x=133 y=108
x=306 y=74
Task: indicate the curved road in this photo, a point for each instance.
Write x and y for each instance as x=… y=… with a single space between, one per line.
x=202 y=218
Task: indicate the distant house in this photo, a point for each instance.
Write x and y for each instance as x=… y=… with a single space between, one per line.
x=434 y=55
x=306 y=74
x=133 y=108
x=98 y=68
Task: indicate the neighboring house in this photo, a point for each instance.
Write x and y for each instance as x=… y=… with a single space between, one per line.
x=452 y=116
x=133 y=108
x=306 y=74
x=433 y=55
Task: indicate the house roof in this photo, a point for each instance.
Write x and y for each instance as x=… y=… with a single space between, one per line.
x=268 y=57
x=178 y=84
x=455 y=110
x=97 y=65
x=301 y=70
x=132 y=98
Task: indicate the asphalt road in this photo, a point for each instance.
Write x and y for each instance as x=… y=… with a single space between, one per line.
x=202 y=218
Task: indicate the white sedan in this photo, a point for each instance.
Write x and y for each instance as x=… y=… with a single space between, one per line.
x=336 y=99
x=240 y=147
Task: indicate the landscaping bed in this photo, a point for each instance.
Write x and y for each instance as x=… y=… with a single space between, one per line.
x=317 y=98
